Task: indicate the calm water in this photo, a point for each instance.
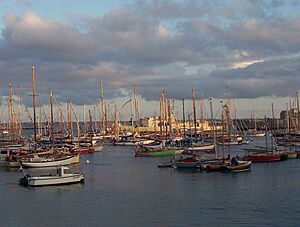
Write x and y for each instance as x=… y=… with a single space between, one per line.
x=121 y=190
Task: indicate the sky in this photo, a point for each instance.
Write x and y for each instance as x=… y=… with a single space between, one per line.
x=158 y=45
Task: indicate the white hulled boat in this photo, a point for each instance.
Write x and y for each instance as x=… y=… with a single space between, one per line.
x=62 y=176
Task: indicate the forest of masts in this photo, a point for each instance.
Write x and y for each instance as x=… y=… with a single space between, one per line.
x=43 y=121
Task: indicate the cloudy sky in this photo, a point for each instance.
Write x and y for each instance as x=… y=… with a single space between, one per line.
x=171 y=45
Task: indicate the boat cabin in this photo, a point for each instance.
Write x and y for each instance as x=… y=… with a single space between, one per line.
x=63 y=170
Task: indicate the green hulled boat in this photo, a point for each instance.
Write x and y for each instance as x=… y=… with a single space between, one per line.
x=159 y=152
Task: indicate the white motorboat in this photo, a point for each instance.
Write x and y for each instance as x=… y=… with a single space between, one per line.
x=63 y=176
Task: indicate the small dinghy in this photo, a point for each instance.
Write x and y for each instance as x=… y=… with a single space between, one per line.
x=63 y=176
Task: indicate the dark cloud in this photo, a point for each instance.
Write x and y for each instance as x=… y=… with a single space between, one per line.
x=169 y=45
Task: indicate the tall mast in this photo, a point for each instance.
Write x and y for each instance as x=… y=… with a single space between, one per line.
x=51 y=113
x=273 y=127
x=132 y=124
x=165 y=114
x=116 y=124
x=298 y=115
x=103 y=117
x=169 y=118
x=266 y=134
x=160 y=117
x=228 y=116
x=40 y=120
x=228 y=109
x=202 y=111
x=137 y=115
x=287 y=118
x=183 y=118
x=19 y=113
x=11 y=111
x=223 y=132
x=61 y=124
x=194 y=111
x=91 y=128
x=33 y=102
x=70 y=122
x=77 y=123
x=84 y=122
x=213 y=123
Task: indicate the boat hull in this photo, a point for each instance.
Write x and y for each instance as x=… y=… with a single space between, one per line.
x=243 y=166
x=47 y=181
x=163 y=153
x=292 y=155
x=42 y=164
x=262 y=158
x=210 y=147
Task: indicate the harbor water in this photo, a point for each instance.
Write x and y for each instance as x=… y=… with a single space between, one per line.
x=121 y=190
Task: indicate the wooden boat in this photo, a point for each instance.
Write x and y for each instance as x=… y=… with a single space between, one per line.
x=292 y=154
x=62 y=176
x=189 y=162
x=41 y=162
x=240 y=166
x=262 y=157
x=213 y=165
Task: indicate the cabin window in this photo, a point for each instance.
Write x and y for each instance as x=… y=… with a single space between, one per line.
x=67 y=171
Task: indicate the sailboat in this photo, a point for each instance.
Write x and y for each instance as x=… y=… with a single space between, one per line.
x=262 y=154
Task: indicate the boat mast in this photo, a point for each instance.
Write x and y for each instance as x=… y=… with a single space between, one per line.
x=40 y=130
x=91 y=128
x=33 y=102
x=116 y=130
x=51 y=117
x=132 y=124
x=183 y=118
x=223 y=131
x=11 y=111
x=194 y=111
x=160 y=117
x=77 y=123
x=272 y=127
x=228 y=116
x=202 y=111
x=61 y=124
x=103 y=117
x=170 y=118
x=266 y=134
x=213 y=123
x=298 y=115
x=84 y=122
x=19 y=114
x=136 y=108
x=165 y=115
